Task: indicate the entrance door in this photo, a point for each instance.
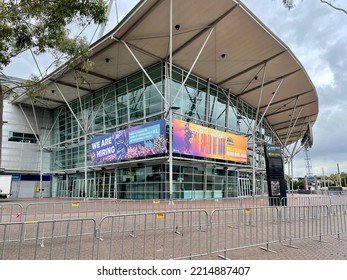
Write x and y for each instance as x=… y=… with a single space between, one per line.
x=105 y=185
x=244 y=187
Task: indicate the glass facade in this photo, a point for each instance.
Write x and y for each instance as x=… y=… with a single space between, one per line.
x=133 y=101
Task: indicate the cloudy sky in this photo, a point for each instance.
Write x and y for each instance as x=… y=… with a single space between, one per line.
x=317 y=35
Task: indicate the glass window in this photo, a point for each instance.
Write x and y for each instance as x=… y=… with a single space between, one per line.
x=23 y=137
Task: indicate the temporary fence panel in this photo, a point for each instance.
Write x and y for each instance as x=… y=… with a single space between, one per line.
x=147 y=206
x=157 y=235
x=293 y=200
x=301 y=222
x=48 y=240
x=338 y=200
x=253 y=202
x=320 y=200
x=223 y=203
x=10 y=212
x=292 y=192
x=243 y=187
x=95 y=209
x=206 y=204
x=129 y=206
x=233 y=229
x=338 y=219
x=62 y=189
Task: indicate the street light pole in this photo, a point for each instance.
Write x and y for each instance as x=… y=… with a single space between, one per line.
x=253 y=165
x=41 y=167
x=85 y=167
x=339 y=175
x=170 y=110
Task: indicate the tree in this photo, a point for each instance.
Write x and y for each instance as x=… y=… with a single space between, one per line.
x=298 y=185
x=42 y=26
x=290 y=4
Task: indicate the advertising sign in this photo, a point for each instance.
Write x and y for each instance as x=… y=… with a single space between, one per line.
x=275 y=175
x=139 y=141
x=197 y=140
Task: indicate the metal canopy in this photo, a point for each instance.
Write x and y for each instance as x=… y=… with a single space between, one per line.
x=241 y=55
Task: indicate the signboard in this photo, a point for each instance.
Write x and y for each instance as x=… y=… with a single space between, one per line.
x=138 y=141
x=197 y=140
x=273 y=151
x=275 y=174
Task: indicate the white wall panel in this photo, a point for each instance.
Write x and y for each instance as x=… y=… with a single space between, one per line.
x=18 y=156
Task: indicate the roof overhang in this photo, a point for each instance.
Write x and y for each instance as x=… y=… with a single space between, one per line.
x=241 y=55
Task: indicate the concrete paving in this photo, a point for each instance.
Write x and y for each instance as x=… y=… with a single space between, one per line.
x=327 y=248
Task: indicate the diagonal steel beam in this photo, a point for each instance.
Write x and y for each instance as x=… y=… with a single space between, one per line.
x=290 y=129
x=31 y=127
x=269 y=82
x=289 y=109
x=286 y=122
x=72 y=112
x=269 y=104
x=292 y=98
x=193 y=65
x=251 y=68
x=191 y=40
x=145 y=72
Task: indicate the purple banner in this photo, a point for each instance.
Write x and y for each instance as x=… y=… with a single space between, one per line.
x=139 y=141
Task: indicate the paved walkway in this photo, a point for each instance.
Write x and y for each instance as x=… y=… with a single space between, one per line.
x=329 y=248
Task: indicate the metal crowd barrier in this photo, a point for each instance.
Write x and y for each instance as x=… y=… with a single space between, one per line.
x=338 y=219
x=48 y=240
x=95 y=209
x=10 y=212
x=110 y=229
x=143 y=206
x=301 y=222
x=295 y=200
x=160 y=235
x=233 y=229
x=320 y=200
x=338 y=200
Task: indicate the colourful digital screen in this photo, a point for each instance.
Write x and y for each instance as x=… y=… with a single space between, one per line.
x=138 y=141
x=197 y=140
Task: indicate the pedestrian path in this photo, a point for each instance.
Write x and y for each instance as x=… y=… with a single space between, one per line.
x=329 y=248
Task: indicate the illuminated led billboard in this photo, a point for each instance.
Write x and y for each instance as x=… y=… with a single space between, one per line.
x=197 y=140
x=138 y=141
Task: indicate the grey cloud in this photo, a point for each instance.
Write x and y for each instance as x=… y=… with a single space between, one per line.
x=316 y=35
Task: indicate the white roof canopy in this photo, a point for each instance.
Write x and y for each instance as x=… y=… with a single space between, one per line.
x=238 y=53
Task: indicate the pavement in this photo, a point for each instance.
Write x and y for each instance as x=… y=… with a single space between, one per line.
x=328 y=247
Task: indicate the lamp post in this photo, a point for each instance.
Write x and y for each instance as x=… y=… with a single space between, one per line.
x=170 y=108
x=339 y=175
x=85 y=168
x=170 y=156
x=253 y=165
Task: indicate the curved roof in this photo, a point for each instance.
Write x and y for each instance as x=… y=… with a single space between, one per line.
x=240 y=55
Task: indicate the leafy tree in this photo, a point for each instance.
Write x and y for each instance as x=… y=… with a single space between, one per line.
x=336 y=179
x=299 y=184
x=290 y=4
x=343 y=176
x=42 y=26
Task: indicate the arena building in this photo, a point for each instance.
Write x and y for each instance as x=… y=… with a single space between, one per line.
x=179 y=104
